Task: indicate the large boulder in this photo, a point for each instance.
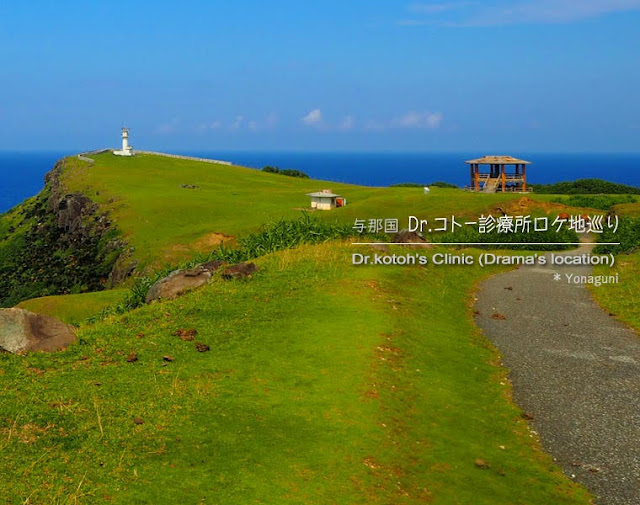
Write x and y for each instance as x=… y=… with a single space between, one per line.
x=239 y=271
x=21 y=331
x=179 y=282
x=409 y=237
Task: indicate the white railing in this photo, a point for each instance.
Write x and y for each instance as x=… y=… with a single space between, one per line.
x=84 y=156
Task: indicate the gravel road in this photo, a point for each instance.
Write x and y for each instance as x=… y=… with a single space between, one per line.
x=575 y=369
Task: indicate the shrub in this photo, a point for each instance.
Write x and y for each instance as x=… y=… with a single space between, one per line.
x=287 y=171
x=515 y=241
x=585 y=187
x=442 y=184
x=437 y=184
x=628 y=234
x=273 y=237
x=602 y=202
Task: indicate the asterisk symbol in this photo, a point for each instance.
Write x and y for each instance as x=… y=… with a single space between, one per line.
x=556 y=277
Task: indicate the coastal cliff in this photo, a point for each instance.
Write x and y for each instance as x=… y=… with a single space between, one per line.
x=57 y=242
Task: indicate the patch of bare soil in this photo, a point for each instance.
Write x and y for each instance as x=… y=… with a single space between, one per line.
x=525 y=205
x=211 y=240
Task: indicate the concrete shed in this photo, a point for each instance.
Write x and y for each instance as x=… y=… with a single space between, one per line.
x=326 y=200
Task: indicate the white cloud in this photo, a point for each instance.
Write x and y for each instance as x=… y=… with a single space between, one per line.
x=237 y=123
x=508 y=12
x=313 y=118
x=272 y=121
x=413 y=119
x=436 y=8
x=213 y=125
x=168 y=127
x=434 y=120
x=347 y=124
x=374 y=125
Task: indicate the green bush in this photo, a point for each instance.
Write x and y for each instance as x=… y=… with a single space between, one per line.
x=287 y=171
x=602 y=202
x=437 y=184
x=515 y=241
x=273 y=237
x=442 y=184
x=628 y=234
x=38 y=258
x=585 y=187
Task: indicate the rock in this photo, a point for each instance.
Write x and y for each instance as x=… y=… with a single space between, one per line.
x=71 y=209
x=239 y=271
x=181 y=281
x=200 y=347
x=185 y=334
x=138 y=420
x=409 y=237
x=178 y=283
x=213 y=265
x=21 y=330
x=124 y=266
x=482 y=464
x=167 y=358
x=132 y=358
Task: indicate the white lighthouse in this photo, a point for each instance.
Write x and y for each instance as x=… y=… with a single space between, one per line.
x=127 y=150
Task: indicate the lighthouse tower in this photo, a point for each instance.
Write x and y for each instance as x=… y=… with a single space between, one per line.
x=127 y=150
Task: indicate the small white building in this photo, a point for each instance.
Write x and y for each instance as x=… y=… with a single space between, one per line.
x=127 y=150
x=326 y=200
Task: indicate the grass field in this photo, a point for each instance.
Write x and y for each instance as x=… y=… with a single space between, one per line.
x=324 y=384
x=622 y=299
x=166 y=222
x=74 y=309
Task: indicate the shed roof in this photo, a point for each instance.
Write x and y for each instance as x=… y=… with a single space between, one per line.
x=498 y=160
x=323 y=194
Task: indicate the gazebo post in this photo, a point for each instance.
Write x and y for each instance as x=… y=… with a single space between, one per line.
x=504 y=178
x=524 y=177
x=477 y=177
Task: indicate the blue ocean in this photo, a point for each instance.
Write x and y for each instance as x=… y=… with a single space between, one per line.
x=22 y=173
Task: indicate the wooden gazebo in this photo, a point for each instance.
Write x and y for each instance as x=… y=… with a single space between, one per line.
x=497 y=178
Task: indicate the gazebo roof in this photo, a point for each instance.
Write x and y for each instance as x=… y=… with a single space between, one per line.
x=498 y=160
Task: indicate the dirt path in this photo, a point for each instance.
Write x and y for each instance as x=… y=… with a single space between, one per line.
x=575 y=369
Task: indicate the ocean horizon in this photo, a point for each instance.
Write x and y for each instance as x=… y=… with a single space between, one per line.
x=22 y=173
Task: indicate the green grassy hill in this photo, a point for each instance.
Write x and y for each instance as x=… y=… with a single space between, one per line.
x=323 y=383
x=74 y=309
x=165 y=222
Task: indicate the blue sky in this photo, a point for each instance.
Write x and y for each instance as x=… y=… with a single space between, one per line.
x=524 y=75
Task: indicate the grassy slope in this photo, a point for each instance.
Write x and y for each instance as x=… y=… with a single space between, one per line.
x=74 y=309
x=325 y=384
x=165 y=222
x=622 y=299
